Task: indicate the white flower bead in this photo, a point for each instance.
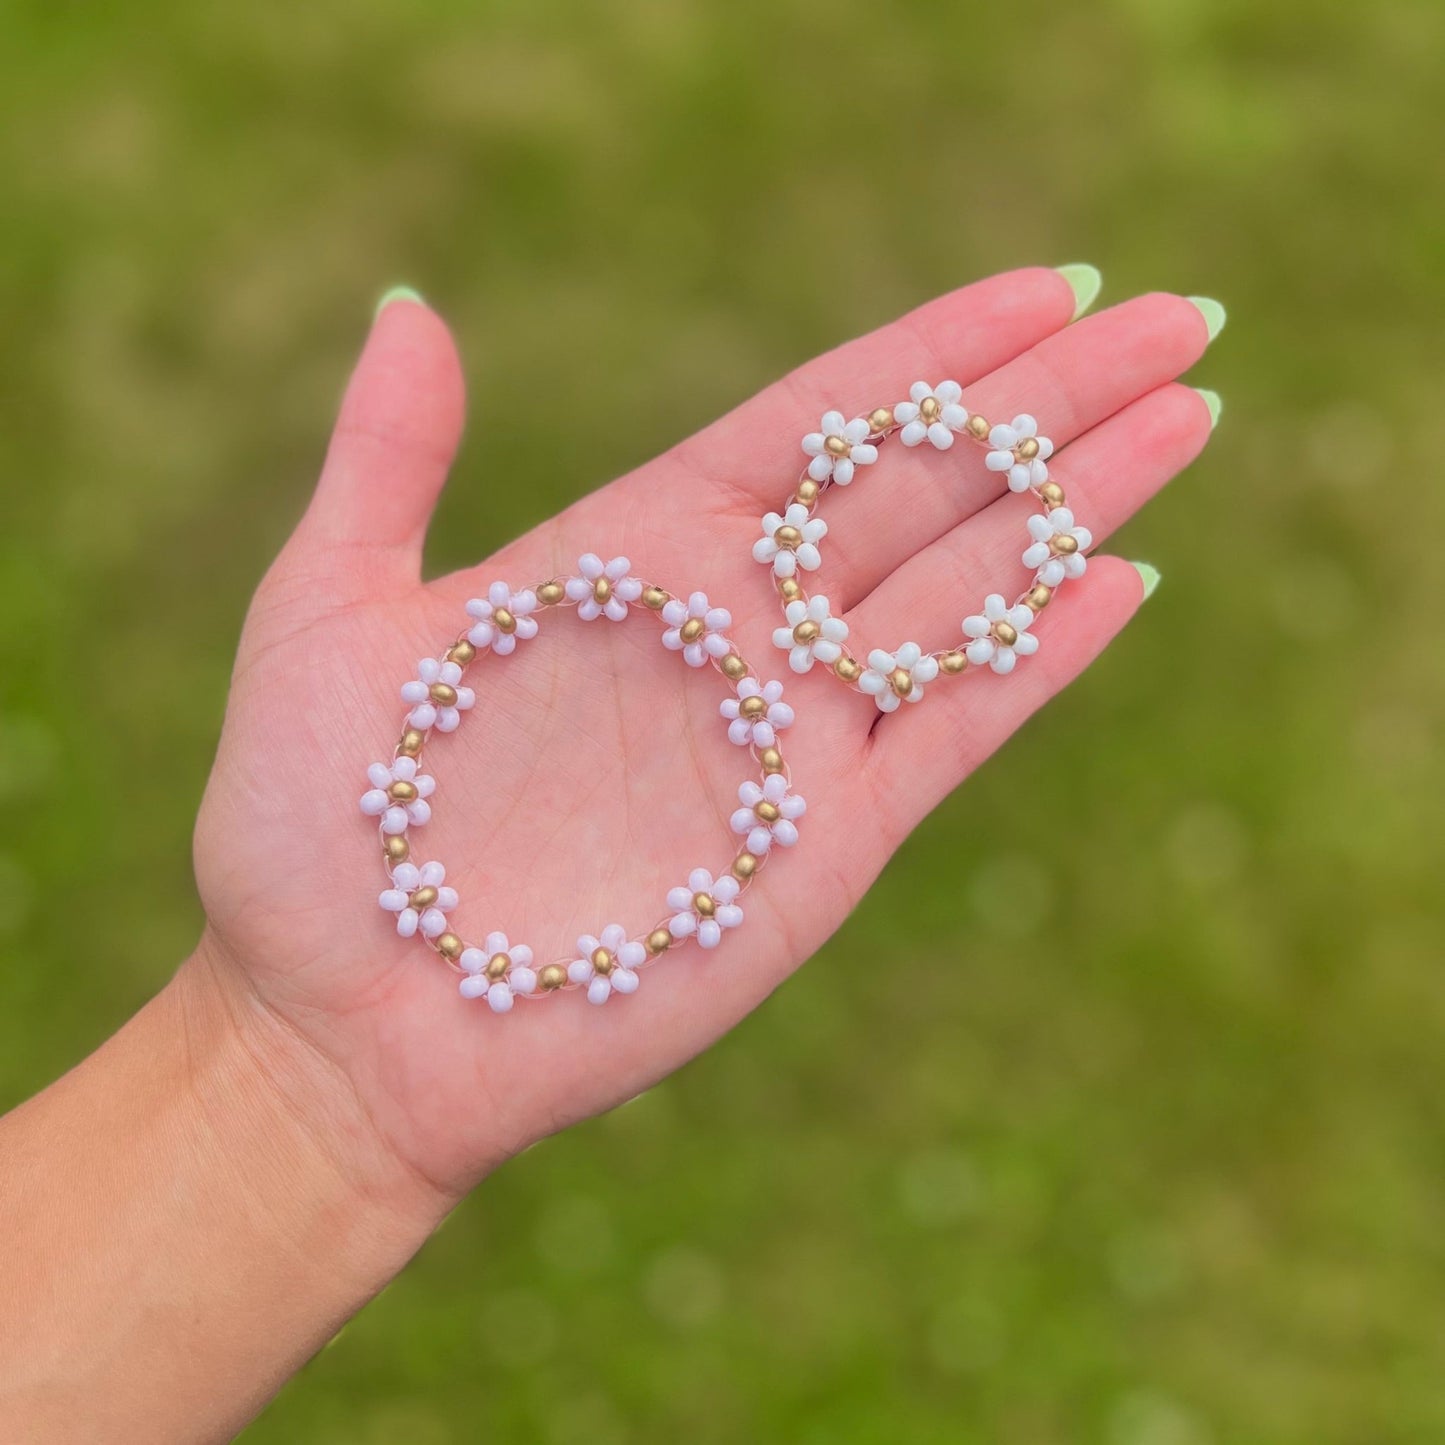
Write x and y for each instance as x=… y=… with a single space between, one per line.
x=1000 y=634
x=895 y=677
x=1059 y=546
x=797 y=546
x=757 y=713
x=768 y=814
x=395 y=813
x=503 y=618
x=839 y=448
x=418 y=899
x=812 y=634
x=604 y=589
x=705 y=907
x=438 y=697
x=607 y=964
x=932 y=413
x=498 y=972
x=695 y=629
x=1005 y=440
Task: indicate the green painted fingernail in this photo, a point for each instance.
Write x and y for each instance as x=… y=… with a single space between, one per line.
x=397 y=293
x=1085 y=281
x=1212 y=401
x=1212 y=312
x=1149 y=575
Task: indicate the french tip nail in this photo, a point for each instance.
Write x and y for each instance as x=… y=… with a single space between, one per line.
x=1148 y=575
x=1212 y=312
x=1084 y=280
x=1212 y=401
x=397 y=293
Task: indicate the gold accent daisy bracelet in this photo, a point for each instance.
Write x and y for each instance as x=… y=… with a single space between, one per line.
x=999 y=635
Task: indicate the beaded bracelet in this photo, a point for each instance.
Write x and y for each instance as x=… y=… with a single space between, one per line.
x=701 y=909
x=998 y=635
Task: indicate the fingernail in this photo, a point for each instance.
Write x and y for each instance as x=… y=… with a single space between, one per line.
x=1212 y=401
x=1149 y=575
x=397 y=293
x=1212 y=312
x=1085 y=281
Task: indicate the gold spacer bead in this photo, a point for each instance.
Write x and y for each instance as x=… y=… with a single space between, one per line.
x=504 y=620
x=1052 y=495
x=787 y=536
x=929 y=408
x=1063 y=544
x=807 y=631
x=602 y=589
x=1038 y=597
x=423 y=897
x=402 y=791
x=837 y=446
x=692 y=629
x=449 y=945
x=1006 y=633
x=733 y=666
x=659 y=941
x=705 y=904
x=849 y=669
x=396 y=848
x=462 y=652
x=443 y=692
x=953 y=662
x=790 y=589
x=901 y=681
x=808 y=491
x=745 y=865
x=654 y=598
x=602 y=962
x=772 y=760
x=978 y=428
x=549 y=594
x=552 y=977
x=752 y=706
x=497 y=966
x=1027 y=449
x=411 y=741
x=881 y=418
x=767 y=811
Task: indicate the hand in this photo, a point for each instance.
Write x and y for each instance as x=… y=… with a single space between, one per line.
x=594 y=772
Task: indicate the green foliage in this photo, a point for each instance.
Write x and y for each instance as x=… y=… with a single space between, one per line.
x=1133 y=1134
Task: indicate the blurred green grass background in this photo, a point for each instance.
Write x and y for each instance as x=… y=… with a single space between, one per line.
x=1117 y=1113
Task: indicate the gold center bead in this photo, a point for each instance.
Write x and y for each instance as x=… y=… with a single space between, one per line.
x=402 y=790
x=767 y=811
x=1006 y=633
x=423 y=897
x=705 y=904
x=752 y=706
x=497 y=966
x=929 y=408
x=807 y=631
x=1027 y=449
x=838 y=446
x=602 y=962
x=602 y=589
x=553 y=976
x=901 y=681
x=444 y=693
x=787 y=536
x=504 y=620
x=693 y=628
x=1064 y=544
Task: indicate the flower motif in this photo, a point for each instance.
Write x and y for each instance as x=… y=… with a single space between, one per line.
x=896 y=677
x=812 y=634
x=438 y=696
x=1059 y=546
x=1000 y=634
x=418 y=899
x=768 y=814
x=791 y=541
x=695 y=629
x=497 y=971
x=502 y=618
x=839 y=448
x=603 y=588
x=398 y=795
x=1019 y=450
x=607 y=963
x=934 y=413
x=705 y=907
x=756 y=713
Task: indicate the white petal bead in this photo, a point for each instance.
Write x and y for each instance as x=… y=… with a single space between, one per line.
x=598 y=991
x=473 y=986
x=499 y=998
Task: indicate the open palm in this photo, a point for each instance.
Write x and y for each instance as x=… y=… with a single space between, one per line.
x=594 y=772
